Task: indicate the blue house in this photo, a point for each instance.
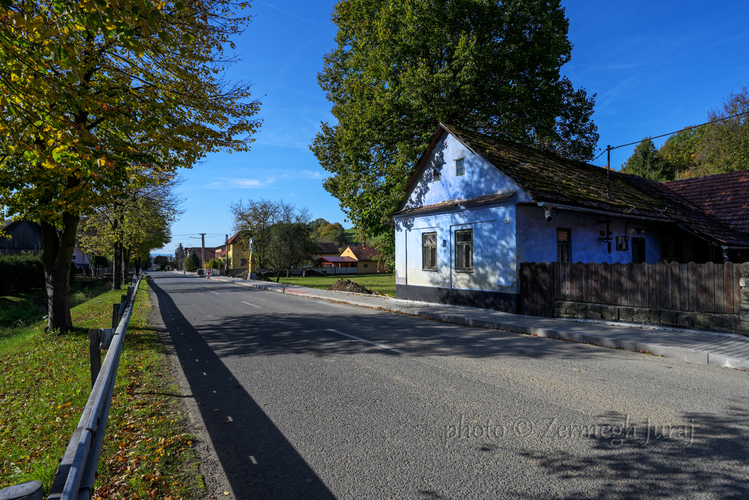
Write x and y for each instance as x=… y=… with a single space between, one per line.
x=477 y=207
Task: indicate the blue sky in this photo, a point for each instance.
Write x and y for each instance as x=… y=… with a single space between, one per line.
x=655 y=66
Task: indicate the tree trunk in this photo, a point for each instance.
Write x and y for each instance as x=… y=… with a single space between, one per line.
x=57 y=254
x=126 y=253
x=116 y=260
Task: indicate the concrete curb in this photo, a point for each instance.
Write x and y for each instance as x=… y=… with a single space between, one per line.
x=705 y=357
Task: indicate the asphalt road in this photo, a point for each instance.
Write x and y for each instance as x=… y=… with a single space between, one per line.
x=309 y=399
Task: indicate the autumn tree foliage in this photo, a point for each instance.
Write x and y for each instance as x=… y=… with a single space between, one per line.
x=400 y=67
x=99 y=96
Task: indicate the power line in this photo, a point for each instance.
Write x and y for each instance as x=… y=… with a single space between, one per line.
x=609 y=148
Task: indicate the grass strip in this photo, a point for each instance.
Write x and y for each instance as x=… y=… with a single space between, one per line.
x=45 y=385
x=381 y=283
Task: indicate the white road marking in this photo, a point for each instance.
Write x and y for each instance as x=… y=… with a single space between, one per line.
x=215 y=292
x=253 y=305
x=381 y=346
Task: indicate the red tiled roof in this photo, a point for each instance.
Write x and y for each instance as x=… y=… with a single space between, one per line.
x=364 y=253
x=327 y=247
x=337 y=259
x=724 y=196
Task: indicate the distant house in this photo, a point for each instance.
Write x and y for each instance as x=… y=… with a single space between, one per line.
x=478 y=206
x=326 y=249
x=80 y=259
x=725 y=197
x=237 y=255
x=210 y=253
x=365 y=258
x=21 y=236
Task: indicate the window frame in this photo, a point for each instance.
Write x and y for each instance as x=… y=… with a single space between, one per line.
x=463 y=248
x=639 y=242
x=437 y=174
x=564 y=244
x=432 y=253
x=462 y=162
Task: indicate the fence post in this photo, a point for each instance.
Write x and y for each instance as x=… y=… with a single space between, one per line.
x=115 y=314
x=30 y=490
x=744 y=307
x=94 y=339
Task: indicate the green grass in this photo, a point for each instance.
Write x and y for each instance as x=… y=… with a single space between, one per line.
x=381 y=283
x=45 y=385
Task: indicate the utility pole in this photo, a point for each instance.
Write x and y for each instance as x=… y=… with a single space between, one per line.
x=226 y=255
x=202 y=250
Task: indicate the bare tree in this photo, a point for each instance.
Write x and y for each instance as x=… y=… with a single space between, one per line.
x=257 y=217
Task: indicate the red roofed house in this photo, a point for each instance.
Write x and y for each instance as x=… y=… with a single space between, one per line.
x=365 y=258
x=725 y=197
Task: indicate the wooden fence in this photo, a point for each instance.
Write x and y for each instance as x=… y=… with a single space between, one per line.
x=710 y=288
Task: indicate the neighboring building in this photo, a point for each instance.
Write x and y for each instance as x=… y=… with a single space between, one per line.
x=365 y=258
x=326 y=249
x=336 y=261
x=238 y=258
x=477 y=207
x=80 y=259
x=21 y=236
x=210 y=253
x=725 y=197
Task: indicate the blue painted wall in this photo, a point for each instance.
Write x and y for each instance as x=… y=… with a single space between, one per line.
x=480 y=178
x=537 y=239
x=494 y=249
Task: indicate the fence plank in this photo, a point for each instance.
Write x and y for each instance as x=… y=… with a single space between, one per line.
x=720 y=297
x=736 y=288
x=555 y=274
x=653 y=286
x=692 y=269
x=709 y=287
x=728 y=288
x=683 y=287
x=675 y=284
x=577 y=279
x=701 y=288
x=661 y=292
x=637 y=285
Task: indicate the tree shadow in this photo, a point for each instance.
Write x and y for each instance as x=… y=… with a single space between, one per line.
x=258 y=460
x=705 y=456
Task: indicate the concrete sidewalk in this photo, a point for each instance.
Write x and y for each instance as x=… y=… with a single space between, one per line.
x=722 y=349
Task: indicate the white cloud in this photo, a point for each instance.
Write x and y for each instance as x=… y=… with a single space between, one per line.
x=229 y=183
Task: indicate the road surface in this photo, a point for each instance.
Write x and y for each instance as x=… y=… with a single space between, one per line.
x=303 y=398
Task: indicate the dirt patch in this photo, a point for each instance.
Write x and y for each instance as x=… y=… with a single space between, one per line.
x=349 y=286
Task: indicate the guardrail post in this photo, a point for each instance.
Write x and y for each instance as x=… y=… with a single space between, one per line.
x=31 y=490
x=94 y=339
x=115 y=314
x=123 y=307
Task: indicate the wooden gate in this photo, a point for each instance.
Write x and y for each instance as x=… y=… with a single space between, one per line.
x=537 y=289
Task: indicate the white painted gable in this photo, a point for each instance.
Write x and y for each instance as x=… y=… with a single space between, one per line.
x=480 y=177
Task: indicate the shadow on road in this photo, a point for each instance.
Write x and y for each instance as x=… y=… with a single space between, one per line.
x=258 y=460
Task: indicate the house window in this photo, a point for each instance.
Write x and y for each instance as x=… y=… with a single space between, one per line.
x=366 y=265
x=564 y=248
x=464 y=250
x=638 y=250
x=75 y=258
x=429 y=251
x=437 y=174
x=460 y=166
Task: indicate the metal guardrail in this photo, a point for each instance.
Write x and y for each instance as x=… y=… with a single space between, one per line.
x=75 y=477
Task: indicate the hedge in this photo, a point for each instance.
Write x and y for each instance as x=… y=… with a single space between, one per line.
x=20 y=273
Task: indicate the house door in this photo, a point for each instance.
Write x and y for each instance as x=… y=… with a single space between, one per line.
x=638 y=250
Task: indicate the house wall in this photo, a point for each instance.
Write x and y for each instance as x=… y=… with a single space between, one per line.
x=480 y=178
x=537 y=238
x=494 y=246
x=366 y=267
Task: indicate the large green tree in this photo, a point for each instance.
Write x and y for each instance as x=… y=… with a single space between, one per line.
x=647 y=162
x=724 y=146
x=96 y=96
x=400 y=67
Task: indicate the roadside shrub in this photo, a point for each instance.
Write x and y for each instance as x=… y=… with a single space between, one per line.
x=215 y=264
x=20 y=273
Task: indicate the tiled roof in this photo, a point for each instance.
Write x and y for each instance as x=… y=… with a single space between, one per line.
x=481 y=200
x=337 y=259
x=327 y=247
x=724 y=196
x=364 y=253
x=548 y=178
